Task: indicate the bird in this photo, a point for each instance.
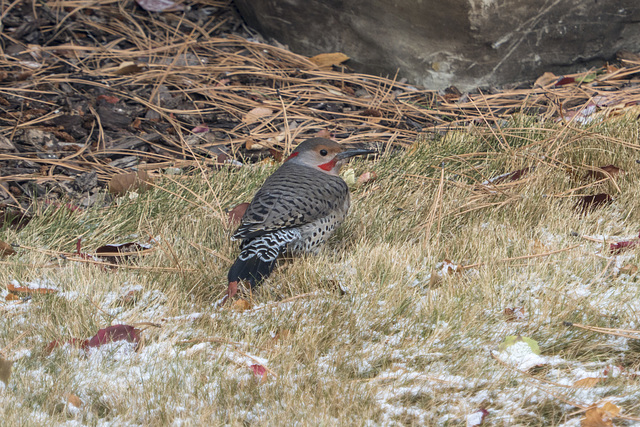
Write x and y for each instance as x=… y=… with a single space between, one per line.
x=295 y=211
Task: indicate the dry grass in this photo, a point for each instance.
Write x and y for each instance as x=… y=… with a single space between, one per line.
x=398 y=347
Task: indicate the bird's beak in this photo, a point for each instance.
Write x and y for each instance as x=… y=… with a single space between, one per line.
x=353 y=152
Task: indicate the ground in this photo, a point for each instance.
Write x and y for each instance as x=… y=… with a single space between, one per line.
x=474 y=279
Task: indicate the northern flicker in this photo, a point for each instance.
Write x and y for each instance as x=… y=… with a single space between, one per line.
x=295 y=211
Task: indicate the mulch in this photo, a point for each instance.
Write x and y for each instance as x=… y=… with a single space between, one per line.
x=90 y=90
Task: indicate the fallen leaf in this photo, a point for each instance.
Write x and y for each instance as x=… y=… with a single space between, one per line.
x=115 y=253
x=24 y=290
x=604 y=172
x=588 y=78
x=366 y=178
x=323 y=133
x=160 y=5
x=623 y=245
x=200 y=129
x=449 y=267
x=515 y=314
x=256 y=114
x=510 y=176
x=565 y=81
x=130 y=181
x=511 y=340
x=349 y=176
x=600 y=416
x=236 y=214
x=260 y=371
x=276 y=154
x=241 y=305
x=110 y=99
x=114 y=333
x=587 y=382
x=5 y=249
x=545 y=79
x=14 y=218
x=5 y=370
x=374 y=116
x=251 y=145
x=590 y=203
x=73 y=400
x=328 y=60
x=126 y=68
x=12 y=297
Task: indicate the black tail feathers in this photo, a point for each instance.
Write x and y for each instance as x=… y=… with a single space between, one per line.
x=252 y=270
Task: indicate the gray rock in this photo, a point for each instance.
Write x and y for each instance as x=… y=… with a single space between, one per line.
x=467 y=43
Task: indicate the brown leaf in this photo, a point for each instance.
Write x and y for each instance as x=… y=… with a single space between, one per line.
x=5 y=249
x=130 y=181
x=545 y=79
x=5 y=370
x=127 y=67
x=241 y=305
x=600 y=416
x=12 y=297
x=251 y=145
x=278 y=155
x=603 y=172
x=256 y=114
x=328 y=60
x=20 y=289
x=323 y=133
x=587 y=382
x=236 y=214
x=73 y=400
x=374 y=116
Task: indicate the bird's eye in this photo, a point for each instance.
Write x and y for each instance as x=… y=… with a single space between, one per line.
x=323 y=152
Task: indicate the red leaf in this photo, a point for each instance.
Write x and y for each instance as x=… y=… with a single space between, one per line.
x=565 y=81
x=625 y=244
x=590 y=203
x=79 y=247
x=115 y=333
x=259 y=370
x=236 y=214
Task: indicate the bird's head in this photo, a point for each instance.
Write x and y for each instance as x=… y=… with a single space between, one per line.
x=324 y=154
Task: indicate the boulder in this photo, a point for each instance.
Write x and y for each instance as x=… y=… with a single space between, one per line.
x=466 y=43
